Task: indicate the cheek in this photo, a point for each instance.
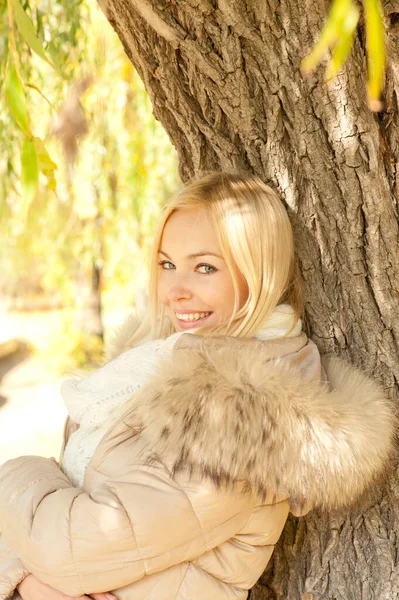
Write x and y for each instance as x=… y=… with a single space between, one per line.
x=223 y=295
x=162 y=289
x=229 y=299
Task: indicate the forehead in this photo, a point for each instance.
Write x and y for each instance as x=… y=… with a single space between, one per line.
x=189 y=230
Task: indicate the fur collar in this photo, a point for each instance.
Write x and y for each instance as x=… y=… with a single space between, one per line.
x=234 y=410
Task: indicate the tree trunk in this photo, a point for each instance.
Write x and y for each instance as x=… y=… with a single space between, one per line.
x=88 y=301
x=224 y=79
x=89 y=280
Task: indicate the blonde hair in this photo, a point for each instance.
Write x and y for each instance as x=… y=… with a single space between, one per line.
x=256 y=240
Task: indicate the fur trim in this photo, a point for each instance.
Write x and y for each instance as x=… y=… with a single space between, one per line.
x=226 y=413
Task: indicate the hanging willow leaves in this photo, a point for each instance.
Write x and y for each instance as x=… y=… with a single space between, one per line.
x=29 y=174
x=16 y=98
x=344 y=44
x=124 y=150
x=329 y=35
x=28 y=32
x=338 y=35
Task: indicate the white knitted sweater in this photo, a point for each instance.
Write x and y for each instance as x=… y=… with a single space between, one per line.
x=91 y=400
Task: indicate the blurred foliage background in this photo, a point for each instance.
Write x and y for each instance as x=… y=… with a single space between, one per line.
x=76 y=226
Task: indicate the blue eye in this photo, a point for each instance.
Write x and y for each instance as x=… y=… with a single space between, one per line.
x=206 y=269
x=167 y=265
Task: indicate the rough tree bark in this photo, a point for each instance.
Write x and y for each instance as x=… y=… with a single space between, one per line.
x=224 y=79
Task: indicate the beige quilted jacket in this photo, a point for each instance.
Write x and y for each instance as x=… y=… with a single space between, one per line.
x=188 y=492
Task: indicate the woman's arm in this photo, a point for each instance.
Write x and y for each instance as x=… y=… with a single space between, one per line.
x=14 y=575
x=82 y=543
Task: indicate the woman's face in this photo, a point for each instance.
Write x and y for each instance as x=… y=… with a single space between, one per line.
x=195 y=285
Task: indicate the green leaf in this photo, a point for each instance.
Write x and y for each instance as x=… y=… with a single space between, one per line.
x=16 y=98
x=376 y=53
x=29 y=174
x=330 y=33
x=46 y=165
x=344 y=43
x=28 y=32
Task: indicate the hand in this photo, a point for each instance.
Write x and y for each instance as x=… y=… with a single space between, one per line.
x=31 y=588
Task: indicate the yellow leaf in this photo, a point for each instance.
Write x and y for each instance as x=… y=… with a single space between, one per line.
x=46 y=165
x=376 y=54
x=330 y=33
x=344 y=44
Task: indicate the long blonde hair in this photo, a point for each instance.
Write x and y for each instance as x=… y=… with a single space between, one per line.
x=256 y=240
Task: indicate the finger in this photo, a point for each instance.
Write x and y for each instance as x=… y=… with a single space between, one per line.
x=104 y=596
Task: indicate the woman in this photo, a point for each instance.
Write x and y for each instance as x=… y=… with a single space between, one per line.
x=185 y=453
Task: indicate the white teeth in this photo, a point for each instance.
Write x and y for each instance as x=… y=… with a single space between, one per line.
x=191 y=316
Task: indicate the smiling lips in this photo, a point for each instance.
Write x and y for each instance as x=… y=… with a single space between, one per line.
x=192 y=316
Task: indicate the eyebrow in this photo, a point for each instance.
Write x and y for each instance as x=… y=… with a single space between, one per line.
x=196 y=255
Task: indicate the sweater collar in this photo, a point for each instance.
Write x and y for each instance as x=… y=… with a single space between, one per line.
x=282 y=323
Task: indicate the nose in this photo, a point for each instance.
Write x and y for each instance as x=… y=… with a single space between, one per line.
x=178 y=292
